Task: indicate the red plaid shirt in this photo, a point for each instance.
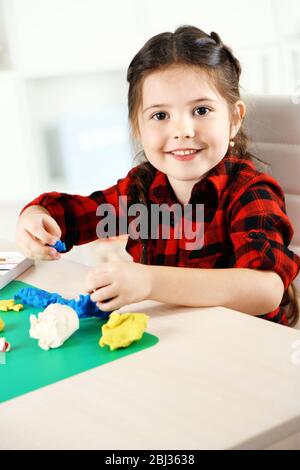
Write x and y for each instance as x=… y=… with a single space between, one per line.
x=245 y=222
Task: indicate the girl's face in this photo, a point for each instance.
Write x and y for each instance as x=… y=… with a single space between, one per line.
x=180 y=109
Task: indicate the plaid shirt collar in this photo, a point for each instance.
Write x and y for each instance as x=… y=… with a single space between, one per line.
x=210 y=188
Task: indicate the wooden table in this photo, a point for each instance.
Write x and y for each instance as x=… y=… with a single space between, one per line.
x=217 y=379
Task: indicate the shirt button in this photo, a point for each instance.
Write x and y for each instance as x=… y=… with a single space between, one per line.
x=257 y=235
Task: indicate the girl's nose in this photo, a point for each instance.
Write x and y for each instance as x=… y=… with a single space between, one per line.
x=183 y=129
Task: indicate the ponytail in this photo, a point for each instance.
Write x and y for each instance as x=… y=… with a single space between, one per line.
x=138 y=191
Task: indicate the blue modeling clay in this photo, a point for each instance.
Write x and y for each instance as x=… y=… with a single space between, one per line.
x=59 y=246
x=84 y=307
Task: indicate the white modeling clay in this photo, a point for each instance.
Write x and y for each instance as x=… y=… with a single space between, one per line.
x=54 y=325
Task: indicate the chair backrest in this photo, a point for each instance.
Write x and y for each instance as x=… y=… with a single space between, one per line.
x=273 y=126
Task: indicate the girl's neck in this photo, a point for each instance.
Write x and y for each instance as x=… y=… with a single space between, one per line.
x=182 y=189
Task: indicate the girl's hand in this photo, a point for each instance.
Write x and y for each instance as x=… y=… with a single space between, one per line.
x=35 y=230
x=114 y=284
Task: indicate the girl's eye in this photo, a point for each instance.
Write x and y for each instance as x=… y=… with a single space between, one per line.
x=159 y=114
x=202 y=110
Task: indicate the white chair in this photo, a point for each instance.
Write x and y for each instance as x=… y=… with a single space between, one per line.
x=273 y=125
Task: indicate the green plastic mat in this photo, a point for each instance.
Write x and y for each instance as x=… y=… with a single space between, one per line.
x=27 y=367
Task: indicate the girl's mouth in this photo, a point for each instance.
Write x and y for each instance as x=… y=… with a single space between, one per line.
x=185 y=158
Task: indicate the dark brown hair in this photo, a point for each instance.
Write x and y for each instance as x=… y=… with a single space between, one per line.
x=189 y=46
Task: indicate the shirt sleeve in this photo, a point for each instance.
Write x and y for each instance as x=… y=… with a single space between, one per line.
x=261 y=231
x=77 y=215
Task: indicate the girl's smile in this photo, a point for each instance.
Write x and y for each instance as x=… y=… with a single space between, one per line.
x=184 y=155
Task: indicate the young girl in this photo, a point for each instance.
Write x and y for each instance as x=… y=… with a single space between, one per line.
x=186 y=113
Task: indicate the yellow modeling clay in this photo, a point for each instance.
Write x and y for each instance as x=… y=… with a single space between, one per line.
x=122 y=329
x=2 y=324
x=17 y=307
x=6 y=305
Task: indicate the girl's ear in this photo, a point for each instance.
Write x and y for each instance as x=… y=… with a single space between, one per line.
x=238 y=115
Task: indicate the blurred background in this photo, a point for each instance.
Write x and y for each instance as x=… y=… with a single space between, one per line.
x=63 y=89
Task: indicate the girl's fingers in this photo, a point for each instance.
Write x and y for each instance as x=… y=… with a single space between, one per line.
x=42 y=235
x=35 y=233
x=52 y=228
x=97 y=279
x=111 y=305
x=104 y=293
x=35 y=249
x=45 y=229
